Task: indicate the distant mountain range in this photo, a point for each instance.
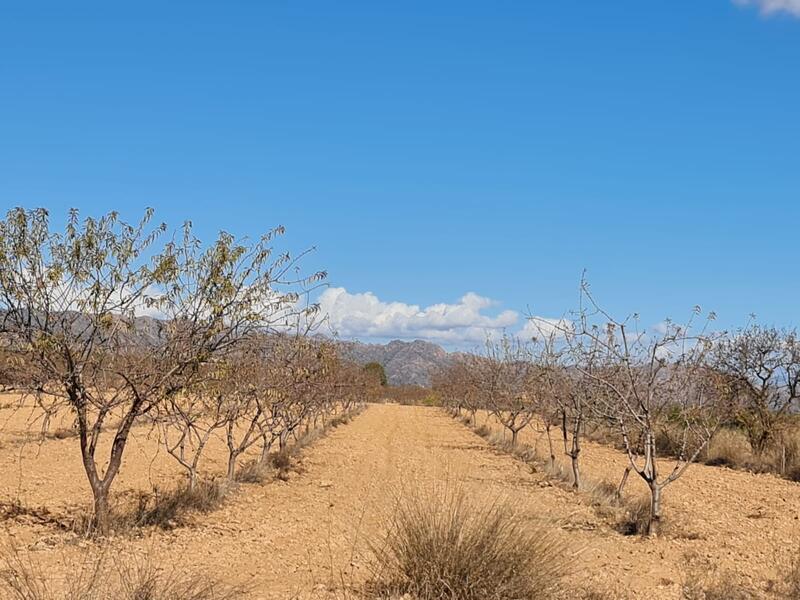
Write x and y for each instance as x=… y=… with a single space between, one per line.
x=405 y=363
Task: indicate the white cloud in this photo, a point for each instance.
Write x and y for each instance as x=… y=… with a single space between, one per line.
x=769 y=7
x=364 y=315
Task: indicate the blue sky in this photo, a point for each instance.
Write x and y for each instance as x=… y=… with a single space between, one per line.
x=434 y=149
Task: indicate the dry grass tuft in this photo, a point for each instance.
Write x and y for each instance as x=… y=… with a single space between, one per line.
x=483 y=431
x=62 y=433
x=446 y=547
x=730 y=448
x=103 y=578
x=282 y=463
x=338 y=420
x=255 y=471
x=144 y=581
x=634 y=516
x=167 y=509
x=603 y=493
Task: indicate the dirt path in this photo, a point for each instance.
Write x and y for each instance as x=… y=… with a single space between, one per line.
x=302 y=537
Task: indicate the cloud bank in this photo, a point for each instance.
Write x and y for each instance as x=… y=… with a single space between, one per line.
x=364 y=315
x=769 y=7
x=469 y=322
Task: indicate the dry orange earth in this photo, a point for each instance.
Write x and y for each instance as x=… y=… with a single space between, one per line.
x=303 y=537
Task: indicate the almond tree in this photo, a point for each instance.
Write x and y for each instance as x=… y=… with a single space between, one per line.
x=511 y=384
x=242 y=399
x=565 y=392
x=69 y=304
x=188 y=422
x=458 y=385
x=761 y=371
x=649 y=377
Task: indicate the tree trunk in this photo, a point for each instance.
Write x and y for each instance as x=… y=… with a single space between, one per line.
x=192 y=478
x=265 y=448
x=574 y=451
x=231 y=474
x=102 y=522
x=514 y=433
x=576 y=472
x=654 y=522
x=550 y=446
x=622 y=483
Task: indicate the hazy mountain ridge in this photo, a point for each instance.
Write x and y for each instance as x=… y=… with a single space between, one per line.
x=405 y=363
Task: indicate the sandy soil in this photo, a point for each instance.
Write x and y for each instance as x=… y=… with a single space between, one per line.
x=299 y=538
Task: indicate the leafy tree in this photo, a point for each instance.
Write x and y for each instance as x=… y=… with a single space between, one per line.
x=760 y=370
x=69 y=303
x=376 y=370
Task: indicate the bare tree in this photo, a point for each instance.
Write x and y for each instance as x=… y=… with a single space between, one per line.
x=459 y=385
x=648 y=377
x=511 y=384
x=566 y=390
x=189 y=421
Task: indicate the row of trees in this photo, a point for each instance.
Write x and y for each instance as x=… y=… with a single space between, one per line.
x=122 y=324
x=678 y=382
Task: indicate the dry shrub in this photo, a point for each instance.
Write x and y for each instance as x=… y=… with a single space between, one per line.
x=634 y=516
x=499 y=441
x=601 y=433
x=783 y=455
x=556 y=470
x=20 y=578
x=62 y=433
x=255 y=471
x=142 y=580
x=447 y=547
x=483 y=431
x=167 y=509
x=729 y=447
x=603 y=493
x=338 y=420
x=669 y=441
x=100 y=577
x=281 y=461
